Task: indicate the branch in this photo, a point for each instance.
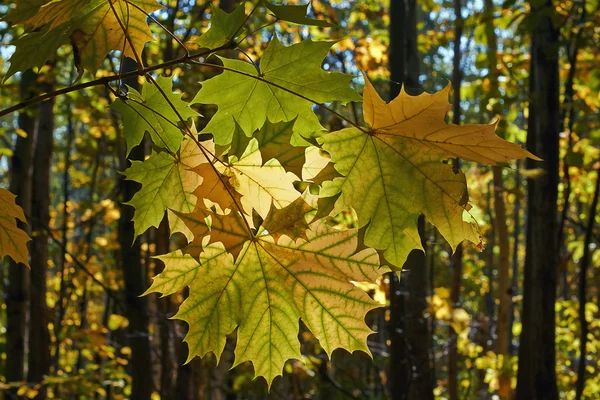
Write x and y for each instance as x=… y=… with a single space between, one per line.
x=111 y=78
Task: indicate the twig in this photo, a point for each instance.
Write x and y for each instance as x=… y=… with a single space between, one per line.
x=107 y=79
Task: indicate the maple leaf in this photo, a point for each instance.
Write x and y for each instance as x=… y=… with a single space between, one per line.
x=93 y=27
x=261 y=184
x=295 y=14
x=278 y=141
x=289 y=221
x=210 y=226
x=216 y=187
x=248 y=96
x=151 y=112
x=13 y=240
x=238 y=187
x=395 y=171
x=274 y=141
x=267 y=289
x=223 y=27
x=318 y=167
x=28 y=52
x=167 y=183
x=420 y=119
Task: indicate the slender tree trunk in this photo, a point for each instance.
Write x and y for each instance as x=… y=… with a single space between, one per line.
x=400 y=364
x=164 y=324
x=457 y=257
x=39 y=338
x=17 y=288
x=502 y=325
x=568 y=115
x=583 y=271
x=514 y=286
x=135 y=277
x=63 y=256
x=417 y=326
x=488 y=298
x=410 y=365
x=537 y=354
x=190 y=378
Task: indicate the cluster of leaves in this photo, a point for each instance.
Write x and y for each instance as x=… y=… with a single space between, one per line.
x=254 y=199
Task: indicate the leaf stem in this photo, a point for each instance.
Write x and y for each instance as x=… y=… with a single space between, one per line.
x=125 y=32
x=202 y=149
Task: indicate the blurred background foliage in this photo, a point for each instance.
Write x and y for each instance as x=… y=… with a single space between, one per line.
x=90 y=333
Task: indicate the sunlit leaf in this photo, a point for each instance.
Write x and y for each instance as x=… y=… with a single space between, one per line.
x=152 y=112
x=13 y=240
x=394 y=170
x=267 y=289
x=295 y=14
x=249 y=101
x=223 y=27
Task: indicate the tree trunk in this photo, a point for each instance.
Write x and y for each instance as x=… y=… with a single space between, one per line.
x=410 y=369
x=190 y=378
x=583 y=271
x=39 y=337
x=61 y=306
x=514 y=287
x=164 y=324
x=400 y=366
x=502 y=325
x=16 y=290
x=568 y=114
x=456 y=262
x=537 y=354
x=417 y=326
x=135 y=277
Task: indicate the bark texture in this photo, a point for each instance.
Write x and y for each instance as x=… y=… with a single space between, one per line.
x=18 y=276
x=457 y=261
x=39 y=338
x=411 y=375
x=537 y=354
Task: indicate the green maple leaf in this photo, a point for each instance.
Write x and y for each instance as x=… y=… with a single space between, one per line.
x=295 y=14
x=168 y=182
x=267 y=289
x=13 y=240
x=93 y=27
x=151 y=112
x=260 y=280
x=394 y=171
x=249 y=101
x=223 y=27
x=28 y=52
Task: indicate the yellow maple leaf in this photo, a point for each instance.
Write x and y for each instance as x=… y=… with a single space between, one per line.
x=13 y=240
x=99 y=26
x=395 y=170
x=422 y=119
